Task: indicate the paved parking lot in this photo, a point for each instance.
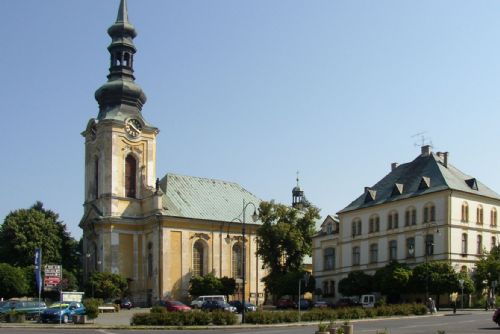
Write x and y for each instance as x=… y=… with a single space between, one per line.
x=118 y=318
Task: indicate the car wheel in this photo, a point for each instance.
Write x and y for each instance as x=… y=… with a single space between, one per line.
x=65 y=319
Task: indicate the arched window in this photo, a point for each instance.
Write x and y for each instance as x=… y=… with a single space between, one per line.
x=96 y=178
x=464 y=243
x=329 y=259
x=198 y=257
x=429 y=213
x=465 y=212
x=479 y=214
x=479 y=244
x=237 y=261
x=392 y=220
x=130 y=176
x=374 y=224
x=356 y=227
x=410 y=216
x=493 y=217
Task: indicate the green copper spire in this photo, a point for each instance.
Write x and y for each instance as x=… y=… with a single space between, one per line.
x=121 y=89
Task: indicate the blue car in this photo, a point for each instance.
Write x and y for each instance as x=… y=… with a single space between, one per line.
x=62 y=312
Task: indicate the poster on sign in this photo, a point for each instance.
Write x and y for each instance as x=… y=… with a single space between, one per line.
x=52 y=277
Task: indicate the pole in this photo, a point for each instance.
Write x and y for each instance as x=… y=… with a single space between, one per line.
x=299 y=299
x=244 y=263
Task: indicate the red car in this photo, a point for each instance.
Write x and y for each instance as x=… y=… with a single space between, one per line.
x=285 y=303
x=174 y=305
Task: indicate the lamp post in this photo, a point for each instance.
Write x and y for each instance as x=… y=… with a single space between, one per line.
x=461 y=282
x=306 y=281
x=243 y=233
x=428 y=244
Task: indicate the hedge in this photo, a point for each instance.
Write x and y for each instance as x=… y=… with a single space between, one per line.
x=159 y=317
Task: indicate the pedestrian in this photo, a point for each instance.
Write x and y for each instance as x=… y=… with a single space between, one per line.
x=432 y=306
x=455 y=307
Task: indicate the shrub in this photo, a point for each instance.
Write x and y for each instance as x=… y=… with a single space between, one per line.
x=158 y=309
x=419 y=309
x=92 y=307
x=223 y=318
x=355 y=313
x=370 y=313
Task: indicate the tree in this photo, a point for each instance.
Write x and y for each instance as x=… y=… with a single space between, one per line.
x=392 y=279
x=205 y=285
x=106 y=285
x=436 y=277
x=355 y=284
x=284 y=238
x=228 y=286
x=12 y=281
x=281 y=284
x=487 y=269
x=24 y=230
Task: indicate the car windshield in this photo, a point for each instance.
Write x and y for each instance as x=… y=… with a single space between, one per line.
x=59 y=305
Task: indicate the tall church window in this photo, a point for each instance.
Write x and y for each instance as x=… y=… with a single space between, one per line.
x=130 y=176
x=96 y=178
x=198 y=257
x=237 y=261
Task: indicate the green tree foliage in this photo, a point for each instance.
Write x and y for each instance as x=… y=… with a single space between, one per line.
x=228 y=286
x=284 y=238
x=12 y=281
x=288 y=283
x=392 y=279
x=205 y=285
x=487 y=269
x=439 y=278
x=355 y=284
x=106 y=285
x=24 y=230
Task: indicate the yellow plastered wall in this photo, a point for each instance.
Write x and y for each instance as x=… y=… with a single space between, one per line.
x=174 y=267
x=126 y=255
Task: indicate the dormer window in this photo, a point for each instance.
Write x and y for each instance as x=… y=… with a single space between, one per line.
x=425 y=183
x=472 y=183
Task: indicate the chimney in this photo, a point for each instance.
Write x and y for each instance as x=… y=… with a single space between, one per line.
x=445 y=159
x=394 y=165
x=426 y=150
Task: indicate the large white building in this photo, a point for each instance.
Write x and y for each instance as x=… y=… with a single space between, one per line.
x=421 y=211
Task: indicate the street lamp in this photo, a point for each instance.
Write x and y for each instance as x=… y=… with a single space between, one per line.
x=461 y=282
x=428 y=244
x=243 y=232
x=306 y=281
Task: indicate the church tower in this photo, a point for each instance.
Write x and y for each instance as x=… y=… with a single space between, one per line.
x=299 y=200
x=120 y=156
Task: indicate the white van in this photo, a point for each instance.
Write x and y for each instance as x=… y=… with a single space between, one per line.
x=201 y=299
x=367 y=301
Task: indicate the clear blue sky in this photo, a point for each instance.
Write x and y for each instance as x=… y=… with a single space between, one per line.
x=252 y=91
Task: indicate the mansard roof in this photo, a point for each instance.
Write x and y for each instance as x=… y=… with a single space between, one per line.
x=205 y=199
x=428 y=173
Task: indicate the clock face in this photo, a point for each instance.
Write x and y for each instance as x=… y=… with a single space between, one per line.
x=133 y=127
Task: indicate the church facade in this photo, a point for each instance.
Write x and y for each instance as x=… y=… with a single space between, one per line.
x=157 y=233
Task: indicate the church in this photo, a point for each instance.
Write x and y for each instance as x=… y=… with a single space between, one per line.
x=157 y=232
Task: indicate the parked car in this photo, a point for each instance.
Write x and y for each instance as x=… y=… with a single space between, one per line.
x=367 y=301
x=174 y=305
x=30 y=308
x=62 y=312
x=346 y=302
x=201 y=299
x=124 y=303
x=305 y=304
x=211 y=305
x=249 y=307
x=285 y=303
x=496 y=316
x=321 y=304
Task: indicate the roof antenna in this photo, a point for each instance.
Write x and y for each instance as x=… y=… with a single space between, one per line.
x=423 y=139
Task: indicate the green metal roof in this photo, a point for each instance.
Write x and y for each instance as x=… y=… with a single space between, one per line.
x=406 y=180
x=206 y=199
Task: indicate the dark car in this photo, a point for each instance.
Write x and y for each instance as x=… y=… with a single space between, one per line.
x=124 y=303
x=211 y=305
x=496 y=316
x=249 y=307
x=304 y=304
x=285 y=303
x=30 y=308
x=174 y=305
x=346 y=302
x=321 y=304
